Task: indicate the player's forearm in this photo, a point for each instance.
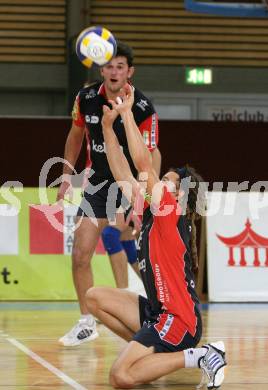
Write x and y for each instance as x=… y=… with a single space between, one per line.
x=71 y=152
x=115 y=156
x=137 y=148
x=156 y=160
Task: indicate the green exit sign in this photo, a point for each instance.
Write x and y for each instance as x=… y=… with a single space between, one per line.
x=198 y=76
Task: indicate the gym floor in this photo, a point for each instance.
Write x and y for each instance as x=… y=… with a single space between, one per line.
x=31 y=357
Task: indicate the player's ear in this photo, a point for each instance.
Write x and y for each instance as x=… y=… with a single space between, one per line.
x=131 y=70
x=101 y=71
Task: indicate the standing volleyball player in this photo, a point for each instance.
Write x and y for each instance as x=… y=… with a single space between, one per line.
x=100 y=195
x=164 y=329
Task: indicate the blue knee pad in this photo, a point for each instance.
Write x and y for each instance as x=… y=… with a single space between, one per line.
x=131 y=251
x=111 y=240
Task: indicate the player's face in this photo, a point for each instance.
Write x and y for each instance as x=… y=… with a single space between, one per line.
x=172 y=181
x=116 y=74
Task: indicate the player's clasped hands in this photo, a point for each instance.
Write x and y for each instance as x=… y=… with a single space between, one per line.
x=120 y=106
x=125 y=101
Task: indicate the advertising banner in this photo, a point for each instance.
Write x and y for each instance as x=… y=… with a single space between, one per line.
x=237 y=246
x=236 y=113
x=35 y=248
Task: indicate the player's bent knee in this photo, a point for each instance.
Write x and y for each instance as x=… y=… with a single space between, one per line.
x=94 y=294
x=92 y=300
x=119 y=379
x=90 y=294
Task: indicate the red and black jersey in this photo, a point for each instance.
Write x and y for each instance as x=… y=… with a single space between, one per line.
x=87 y=112
x=165 y=262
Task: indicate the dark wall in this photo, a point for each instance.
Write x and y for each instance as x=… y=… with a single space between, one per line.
x=221 y=151
x=26 y=144
x=224 y=151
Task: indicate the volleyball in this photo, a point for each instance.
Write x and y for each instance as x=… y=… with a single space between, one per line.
x=95 y=45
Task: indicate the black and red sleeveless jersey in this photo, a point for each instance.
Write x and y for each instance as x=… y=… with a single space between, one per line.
x=165 y=262
x=87 y=112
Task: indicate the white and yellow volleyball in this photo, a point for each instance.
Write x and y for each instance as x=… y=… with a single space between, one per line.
x=95 y=45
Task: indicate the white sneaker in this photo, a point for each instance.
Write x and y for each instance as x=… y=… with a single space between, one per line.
x=212 y=365
x=83 y=331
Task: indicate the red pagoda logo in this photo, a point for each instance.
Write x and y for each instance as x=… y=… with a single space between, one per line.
x=246 y=239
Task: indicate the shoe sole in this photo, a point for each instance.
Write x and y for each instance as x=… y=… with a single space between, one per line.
x=222 y=380
x=91 y=338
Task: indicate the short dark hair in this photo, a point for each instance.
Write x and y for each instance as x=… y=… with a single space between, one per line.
x=123 y=50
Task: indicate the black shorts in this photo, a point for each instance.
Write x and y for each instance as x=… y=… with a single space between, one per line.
x=102 y=202
x=171 y=336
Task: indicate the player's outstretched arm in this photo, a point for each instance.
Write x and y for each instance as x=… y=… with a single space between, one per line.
x=139 y=152
x=156 y=160
x=117 y=161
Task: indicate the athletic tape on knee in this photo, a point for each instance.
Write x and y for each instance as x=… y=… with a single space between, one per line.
x=131 y=251
x=111 y=240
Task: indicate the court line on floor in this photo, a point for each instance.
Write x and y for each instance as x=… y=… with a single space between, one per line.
x=65 y=378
